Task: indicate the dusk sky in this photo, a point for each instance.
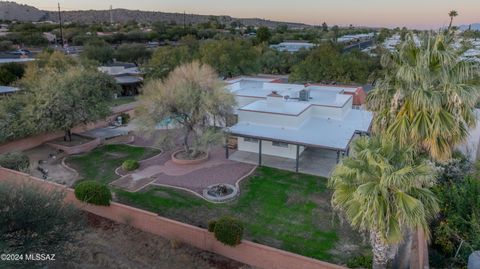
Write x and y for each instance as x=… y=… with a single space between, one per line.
x=390 y=13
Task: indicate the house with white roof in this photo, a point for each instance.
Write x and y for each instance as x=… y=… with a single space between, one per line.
x=285 y=121
x=127 y=75
x=292 y=46
x=471 y=55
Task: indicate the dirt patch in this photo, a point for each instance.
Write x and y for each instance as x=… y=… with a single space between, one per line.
x=76 y=141
x=105 y=244
x=50 y=159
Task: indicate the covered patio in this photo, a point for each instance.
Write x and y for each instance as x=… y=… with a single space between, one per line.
x=313 y=161
x=313 y=148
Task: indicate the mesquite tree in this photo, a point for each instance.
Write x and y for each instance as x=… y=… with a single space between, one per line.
x=191 y=98
x=61 y=101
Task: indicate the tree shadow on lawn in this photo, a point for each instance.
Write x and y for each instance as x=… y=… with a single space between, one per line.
x=100 y=163
x=279 y=208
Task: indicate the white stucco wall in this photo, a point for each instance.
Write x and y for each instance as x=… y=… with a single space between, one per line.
x=324 y=111
x=269 y=149
x=272 y=119
x=470 y=147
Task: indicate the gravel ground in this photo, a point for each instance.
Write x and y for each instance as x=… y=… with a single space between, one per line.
x=106 y=244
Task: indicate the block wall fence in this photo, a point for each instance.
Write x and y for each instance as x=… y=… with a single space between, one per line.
x=247 y=252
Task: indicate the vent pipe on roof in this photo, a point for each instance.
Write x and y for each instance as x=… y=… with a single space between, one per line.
x=304 y=95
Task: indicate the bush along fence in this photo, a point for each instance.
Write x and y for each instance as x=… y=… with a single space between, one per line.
x=230 y=230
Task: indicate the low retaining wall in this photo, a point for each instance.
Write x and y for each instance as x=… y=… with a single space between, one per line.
x=85 y=147
x=37 y=140
x=247 y=252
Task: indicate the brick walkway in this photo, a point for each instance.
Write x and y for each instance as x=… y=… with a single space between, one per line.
x=160 y=170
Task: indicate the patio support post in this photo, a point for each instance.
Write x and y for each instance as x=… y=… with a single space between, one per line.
x=297 y=157
x=260 y=152
x=338 y=156
x=226 y=147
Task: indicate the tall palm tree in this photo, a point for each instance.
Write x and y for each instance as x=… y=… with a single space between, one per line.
x=452 y=14
x=383 y=191
x=426 y=97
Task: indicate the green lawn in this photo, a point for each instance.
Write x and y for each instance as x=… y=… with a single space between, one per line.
x=100 y=164
x=279 y=208
x=122 y=100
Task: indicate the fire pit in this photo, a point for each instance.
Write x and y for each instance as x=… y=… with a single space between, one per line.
x=220 y=192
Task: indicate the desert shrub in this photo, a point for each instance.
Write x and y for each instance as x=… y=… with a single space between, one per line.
x=36 y=220
x=459 y=219
x=455 y=169
x=130 y=165
x=125 y=118
x=93 y=192
x=15 y=161
x=211 y=225
x=229 y=231
x=360 y=262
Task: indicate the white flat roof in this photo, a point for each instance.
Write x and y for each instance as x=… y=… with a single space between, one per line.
x=316 y=131
x=277 y=106
x=8 y=89
x=319 y=95
x=250 y=79
x=15 y=60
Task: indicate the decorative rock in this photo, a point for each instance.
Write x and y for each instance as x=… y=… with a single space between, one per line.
x=220 y=192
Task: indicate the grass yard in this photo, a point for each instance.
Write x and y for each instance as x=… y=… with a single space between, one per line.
x=279 y=208
x=100 y=163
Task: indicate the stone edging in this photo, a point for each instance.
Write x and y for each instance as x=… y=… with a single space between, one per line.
x=64 y=165
x=188 y=162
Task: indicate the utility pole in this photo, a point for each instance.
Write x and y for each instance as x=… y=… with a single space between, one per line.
x=184 y=22
x=61 y=27
x=111 y=14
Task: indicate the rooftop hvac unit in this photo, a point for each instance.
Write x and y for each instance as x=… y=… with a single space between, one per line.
x=304 y=95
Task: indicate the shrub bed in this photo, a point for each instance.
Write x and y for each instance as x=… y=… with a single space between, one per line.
x=228 y=230
x=15 y=161
x=211 y=225
x=93 y=192
x=130 y=165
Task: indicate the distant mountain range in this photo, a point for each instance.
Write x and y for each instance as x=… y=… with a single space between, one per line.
x=19 y=12
x=473 y=26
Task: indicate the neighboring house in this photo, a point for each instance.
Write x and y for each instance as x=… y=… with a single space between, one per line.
x=6 y=90
x=286 y=120
x=471 y=55
x=3 y=30
x=292 y=46
x=52 y=38
x=127 y=75
x=15 y=60
x=355 y=38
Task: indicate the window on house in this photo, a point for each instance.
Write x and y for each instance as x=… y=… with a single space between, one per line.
x=251 y=140
x=279 y=144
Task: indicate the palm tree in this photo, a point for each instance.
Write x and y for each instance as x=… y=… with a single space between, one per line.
x=452 y=14
x=426 y=97
x=383 y=191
